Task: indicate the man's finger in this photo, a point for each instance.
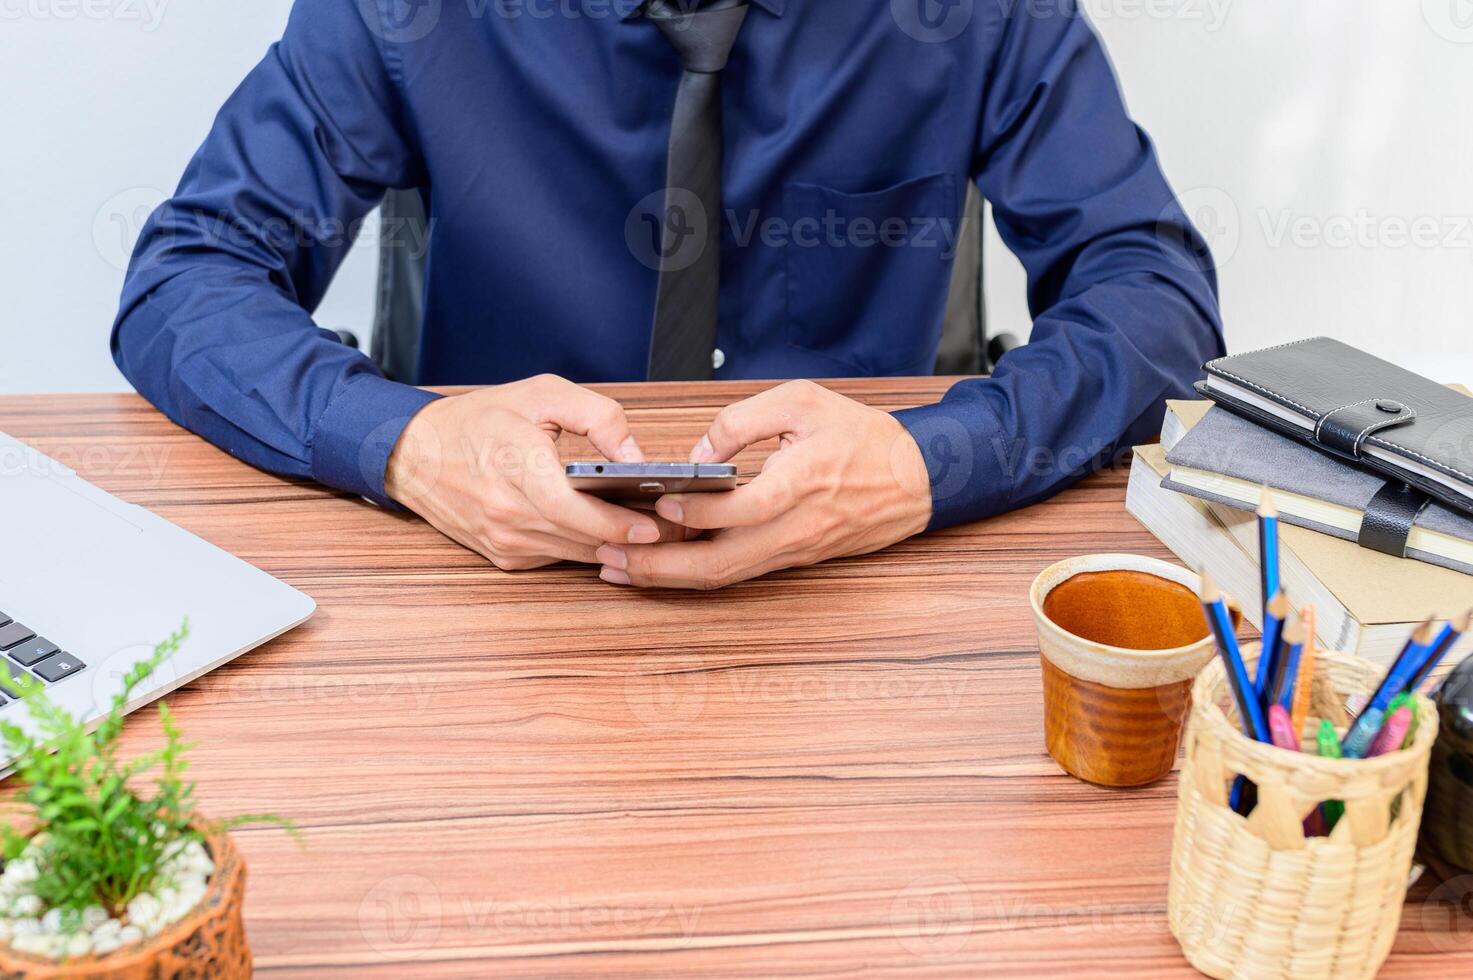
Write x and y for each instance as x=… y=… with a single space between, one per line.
x=767 y=415
x=587 y=413
x=557 y=501
x=711 y=563
x=538 y=545
x=769 y=496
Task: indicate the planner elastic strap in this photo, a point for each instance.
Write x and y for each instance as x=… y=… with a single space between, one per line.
x=1389 y=518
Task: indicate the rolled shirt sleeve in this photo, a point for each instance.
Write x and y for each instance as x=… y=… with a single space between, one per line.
x=1120 y=284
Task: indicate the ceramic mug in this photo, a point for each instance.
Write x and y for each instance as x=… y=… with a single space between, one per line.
x=1121 y=638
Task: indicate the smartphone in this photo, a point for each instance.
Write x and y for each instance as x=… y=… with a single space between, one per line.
x=647 y=481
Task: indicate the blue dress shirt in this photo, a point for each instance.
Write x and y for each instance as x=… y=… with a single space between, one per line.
x=537 y=132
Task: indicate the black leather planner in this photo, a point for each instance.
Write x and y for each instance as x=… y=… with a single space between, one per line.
x=1352 y=405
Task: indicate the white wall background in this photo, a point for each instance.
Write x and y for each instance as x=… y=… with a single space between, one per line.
x=1326 y=147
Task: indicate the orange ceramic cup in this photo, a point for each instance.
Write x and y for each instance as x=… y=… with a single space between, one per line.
x=1121 y=639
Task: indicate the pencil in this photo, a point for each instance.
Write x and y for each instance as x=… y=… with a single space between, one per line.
x=1363 y=730
x=1304 y=686
x=1268 y=546
x=1255 y=724
x=1273 y=633
x=1441 y=646
x=1293 y=654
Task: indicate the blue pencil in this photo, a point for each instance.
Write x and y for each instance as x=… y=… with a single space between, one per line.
x=1268 y=547
x=1363 y=730
x=1288 y=666
x=1441 y=646
x=1273 y=631
x=1255 y=722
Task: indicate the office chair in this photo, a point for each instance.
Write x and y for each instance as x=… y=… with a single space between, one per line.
x=965 y=347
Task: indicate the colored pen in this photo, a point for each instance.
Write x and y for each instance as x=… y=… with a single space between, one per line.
x=1268 y=546
x=1273 y=631
x=1328 y=742
x=1285 y=737
x=1441 y=646
x=1363 y=730
x=1392 y=733
x=1283 y=692
x=1282 y=729
x=1304 y=686
x=1255 y=725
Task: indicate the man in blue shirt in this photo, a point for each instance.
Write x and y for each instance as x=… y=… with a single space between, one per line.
x=540 y=131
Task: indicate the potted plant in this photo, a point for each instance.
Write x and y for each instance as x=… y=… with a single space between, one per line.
x=116 y=874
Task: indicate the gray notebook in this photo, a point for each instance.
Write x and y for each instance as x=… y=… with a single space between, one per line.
x=1225 y=444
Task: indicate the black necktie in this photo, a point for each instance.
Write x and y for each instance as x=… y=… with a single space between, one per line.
x=684 y=335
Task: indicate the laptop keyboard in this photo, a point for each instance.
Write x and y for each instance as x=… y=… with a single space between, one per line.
x=23 y=648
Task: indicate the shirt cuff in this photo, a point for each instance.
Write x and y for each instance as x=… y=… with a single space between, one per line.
x=967 y=453
x=357 y=433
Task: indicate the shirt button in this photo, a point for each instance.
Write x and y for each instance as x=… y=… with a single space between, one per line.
x=718 y=358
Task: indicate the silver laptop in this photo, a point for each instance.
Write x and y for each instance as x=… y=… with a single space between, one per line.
x=89 y=584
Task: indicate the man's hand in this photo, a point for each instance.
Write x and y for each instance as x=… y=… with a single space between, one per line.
x=845 y=480
x=483 y=468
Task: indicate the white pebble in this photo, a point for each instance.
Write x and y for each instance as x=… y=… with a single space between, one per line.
x=108 y=927
x=26 y=905
x=38 y=944
x=51 y=921
x=93 y=916
x=22 y=870
x=25 y=927
x=129 y=934
x=143 y=906
x=105 y=945
x=78 y=945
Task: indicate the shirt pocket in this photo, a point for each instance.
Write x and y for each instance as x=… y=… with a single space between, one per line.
x=867 y=273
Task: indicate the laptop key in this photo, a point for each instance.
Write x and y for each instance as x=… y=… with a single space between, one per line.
x=15 y=672
x=55 y=668
x=4 y=619
x=13 y=633
x=32 y=650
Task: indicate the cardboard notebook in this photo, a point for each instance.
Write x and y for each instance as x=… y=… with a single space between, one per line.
x=1365 y=602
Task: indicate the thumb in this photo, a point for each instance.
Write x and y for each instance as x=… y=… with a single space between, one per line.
x=587 y=413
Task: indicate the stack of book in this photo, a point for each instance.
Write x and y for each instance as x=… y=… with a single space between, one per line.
x=1198 y=497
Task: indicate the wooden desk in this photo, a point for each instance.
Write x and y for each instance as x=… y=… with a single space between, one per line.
x=831 y=769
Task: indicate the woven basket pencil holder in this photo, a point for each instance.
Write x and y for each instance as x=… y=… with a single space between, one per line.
x=1254 y=897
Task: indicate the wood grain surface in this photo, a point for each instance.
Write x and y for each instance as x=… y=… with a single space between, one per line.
x=832 y=770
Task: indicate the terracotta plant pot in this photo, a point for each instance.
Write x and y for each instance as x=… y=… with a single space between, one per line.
x=209 y=942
